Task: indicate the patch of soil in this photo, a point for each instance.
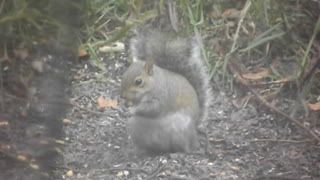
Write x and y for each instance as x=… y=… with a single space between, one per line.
x=243 y=143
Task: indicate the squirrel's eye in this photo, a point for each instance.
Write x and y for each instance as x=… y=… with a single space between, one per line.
x=138 y=82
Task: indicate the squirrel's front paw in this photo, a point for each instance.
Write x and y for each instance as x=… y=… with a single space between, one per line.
x=147 y=109
x=137 y=108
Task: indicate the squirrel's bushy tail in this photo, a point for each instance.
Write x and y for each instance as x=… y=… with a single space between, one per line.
x=182 y=56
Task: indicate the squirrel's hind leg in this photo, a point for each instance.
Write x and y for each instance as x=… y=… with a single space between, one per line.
x=173 y=133
x=183 y=133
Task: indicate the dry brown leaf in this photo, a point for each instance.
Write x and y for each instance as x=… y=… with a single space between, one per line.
x=231 y=13
x=80 y=76
x=23 y=114
x=293 y=154
x=214 y=14
x=82 y=52
x=314 y=106
x=5 y=147
x=22 y=53
x=257 y=75
x=228 y=12
x=5 y=58
x=107 y=103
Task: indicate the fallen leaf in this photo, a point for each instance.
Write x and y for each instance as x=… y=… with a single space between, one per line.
x=257 y=75
x=228 y=12
x=214 y=14
x=4 y=123
x=4 y=147
x=82 y=52
x=5 y=58
x=314 y=106
x=107 y=103
x=22 y=53
x=293 y=154
x=23 y=114
x=231 y=13
x=80 y=76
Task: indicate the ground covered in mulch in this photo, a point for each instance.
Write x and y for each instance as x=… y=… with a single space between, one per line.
x=91 y=143
x=242 y=143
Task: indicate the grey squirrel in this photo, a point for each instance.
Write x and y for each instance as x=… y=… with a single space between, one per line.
x=168 y=86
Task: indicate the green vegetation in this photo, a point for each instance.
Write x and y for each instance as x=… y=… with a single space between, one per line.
x=47 y=21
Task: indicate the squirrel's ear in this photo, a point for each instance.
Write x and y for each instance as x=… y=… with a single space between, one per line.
x=148 y=66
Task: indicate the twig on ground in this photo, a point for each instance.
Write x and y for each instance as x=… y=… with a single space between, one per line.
x=273 y=178
x=156 y=172
x=124 y=169
x=242 y=16
x=280 y=140
x=231 y=67
x=311 y=67
x=281 y=81
x=245 y=83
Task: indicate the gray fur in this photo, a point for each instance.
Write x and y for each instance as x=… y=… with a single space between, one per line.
x=182 y=56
